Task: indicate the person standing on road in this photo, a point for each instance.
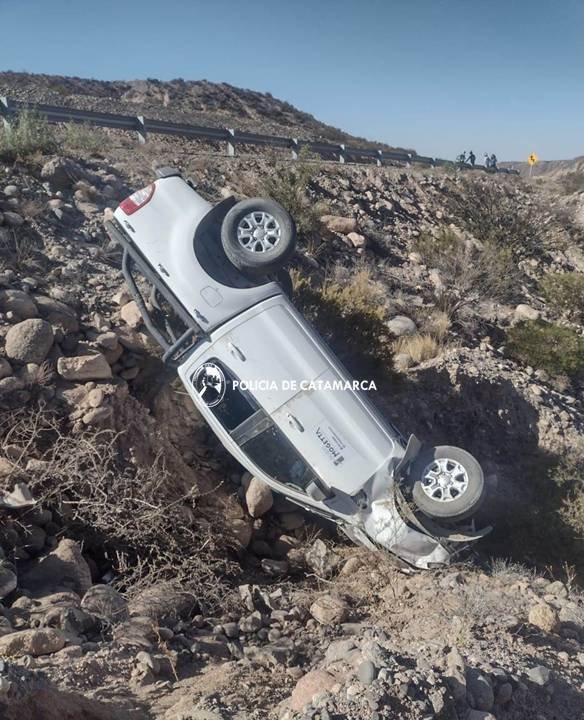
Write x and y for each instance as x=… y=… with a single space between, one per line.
x=494 y=161
x=471 y=158
x=487 y=161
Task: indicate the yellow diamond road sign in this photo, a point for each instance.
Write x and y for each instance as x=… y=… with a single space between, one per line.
x=532 y=159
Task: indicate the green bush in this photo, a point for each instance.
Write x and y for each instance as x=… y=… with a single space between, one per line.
x=492 y=214
x=288 y=184
x=81 y=138
x=469 y=271
x=565 y=292
x=557 y=350
x=349 y=313
x=28 y=135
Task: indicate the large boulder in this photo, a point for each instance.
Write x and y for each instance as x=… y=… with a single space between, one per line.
x=19 y=303
x=329 y=610
x=544 y=617
x=321 y=559
x=63 y=569
x=57 y=313
x=62 y=173
x=84 y=367
x=258 y=497
x=313 y=683
x=401 y=325
x=42 y=641
x=105 y=602
x=29 y=341
x=130 y=314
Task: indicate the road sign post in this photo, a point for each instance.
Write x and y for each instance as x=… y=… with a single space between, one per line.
x=531 y=160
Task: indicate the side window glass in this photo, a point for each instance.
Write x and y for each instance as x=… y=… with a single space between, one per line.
x=214 y=384
x=277 y=457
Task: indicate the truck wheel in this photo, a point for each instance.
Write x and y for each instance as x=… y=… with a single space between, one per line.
x=258 y=236
x=448 y=483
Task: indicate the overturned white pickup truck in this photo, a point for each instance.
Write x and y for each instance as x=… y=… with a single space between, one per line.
x=275 y=395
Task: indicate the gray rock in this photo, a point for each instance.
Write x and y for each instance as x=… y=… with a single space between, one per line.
x=10 y=384
x=479 y=690
x=526 y=312
x=329 y=610
x=29 y=341
x=84 y=367
x=401 y=325
x=8 y=582
x=251 y=623
x=5 y=368
x=258 y=497
x=366 y=672
x=479 y=715
x=539 y=675
x=339 y=650
x=321 y=559
x=63 y=568
x=504 y=694
x=57 y=313
x=18 y=302
x=62 y=173
x=13 y=219
x=32 y=642
x=105 y=602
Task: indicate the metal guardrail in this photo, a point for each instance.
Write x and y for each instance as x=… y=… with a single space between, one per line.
x=9 y=109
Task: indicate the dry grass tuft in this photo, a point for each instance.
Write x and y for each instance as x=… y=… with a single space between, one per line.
x=419 y=347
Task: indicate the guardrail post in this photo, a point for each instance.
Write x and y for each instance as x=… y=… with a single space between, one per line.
x=230 y=144
x=141 y=129
x=5 y=111
x=294 y=143
x=341 y=153
x=379 y=160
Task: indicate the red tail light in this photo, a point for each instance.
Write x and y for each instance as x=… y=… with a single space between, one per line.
x=138 y=199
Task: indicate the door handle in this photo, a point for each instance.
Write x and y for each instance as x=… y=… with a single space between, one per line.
x=295 y=422
x=235 y=351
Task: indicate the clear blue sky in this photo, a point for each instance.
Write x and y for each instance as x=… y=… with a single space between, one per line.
x=504 y=76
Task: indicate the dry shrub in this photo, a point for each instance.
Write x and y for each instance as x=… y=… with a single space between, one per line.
x=288 y=183
x=348 y=310
x=125 y=516
x=492 y=213
x=469 y=270
x=19 y=248
x=565 y=292
x=30 y=134
x=557 y=350
x=437 y=324
x=32 y=208
x=419 y=347
x=80 y=138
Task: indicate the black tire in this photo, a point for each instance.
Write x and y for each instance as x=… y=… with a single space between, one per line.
x=280 y=234
x=462 y=505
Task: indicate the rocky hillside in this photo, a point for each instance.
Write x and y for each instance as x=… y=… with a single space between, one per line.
x=549 y=168
x=196 y=102
x=143 y=575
